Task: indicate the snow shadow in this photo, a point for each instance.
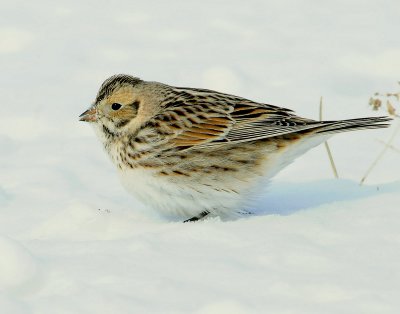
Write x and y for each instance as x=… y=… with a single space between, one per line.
x=284 y=198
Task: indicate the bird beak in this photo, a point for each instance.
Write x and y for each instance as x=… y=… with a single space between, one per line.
x=89 y=115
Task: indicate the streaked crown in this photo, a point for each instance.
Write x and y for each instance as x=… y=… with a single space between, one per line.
x=114 y=82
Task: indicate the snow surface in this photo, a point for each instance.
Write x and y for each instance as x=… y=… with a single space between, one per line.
x=73 y=241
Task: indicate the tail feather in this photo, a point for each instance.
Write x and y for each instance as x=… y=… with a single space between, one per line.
x=332 y=127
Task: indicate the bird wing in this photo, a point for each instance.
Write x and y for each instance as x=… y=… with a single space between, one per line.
x=190 y=124
x=207 y=118
x=258 y=121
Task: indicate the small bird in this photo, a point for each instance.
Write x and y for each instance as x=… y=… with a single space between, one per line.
x=191 y=153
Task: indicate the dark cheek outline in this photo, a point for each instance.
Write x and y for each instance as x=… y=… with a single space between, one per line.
x=122 y=123
x=135 y=105
x=108 y=132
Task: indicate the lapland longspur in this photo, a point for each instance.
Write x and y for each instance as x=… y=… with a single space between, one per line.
x=190 y=152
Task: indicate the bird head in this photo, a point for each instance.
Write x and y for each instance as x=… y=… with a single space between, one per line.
x=117 y=105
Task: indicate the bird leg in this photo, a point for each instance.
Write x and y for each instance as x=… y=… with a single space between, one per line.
x=198 y=217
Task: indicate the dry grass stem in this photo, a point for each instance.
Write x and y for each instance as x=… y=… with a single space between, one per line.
x=328 y=150
x=389 y=145
x=384 y=150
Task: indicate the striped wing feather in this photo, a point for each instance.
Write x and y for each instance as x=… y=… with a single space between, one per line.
x=257 y=122
x=221 y=118
x=191 y=125
x=203 y=132
x=216 y=122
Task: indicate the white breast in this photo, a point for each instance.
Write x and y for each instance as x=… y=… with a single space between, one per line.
x=178 y=198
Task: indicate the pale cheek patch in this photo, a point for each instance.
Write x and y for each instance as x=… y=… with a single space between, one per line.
x=123 y=96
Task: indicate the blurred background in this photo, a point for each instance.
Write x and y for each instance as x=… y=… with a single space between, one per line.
x=55 y=55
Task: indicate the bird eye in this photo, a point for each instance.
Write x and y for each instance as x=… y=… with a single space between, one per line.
x=116 y=106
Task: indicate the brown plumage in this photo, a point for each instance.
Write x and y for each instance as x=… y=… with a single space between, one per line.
x=190 y=152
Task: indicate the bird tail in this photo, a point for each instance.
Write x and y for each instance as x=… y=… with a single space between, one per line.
x=331 y=127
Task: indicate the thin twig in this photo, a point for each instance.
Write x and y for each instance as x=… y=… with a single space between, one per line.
x=328 y=150
x=389 y=145
x=384 y=150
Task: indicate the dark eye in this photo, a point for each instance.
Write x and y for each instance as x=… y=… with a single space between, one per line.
x=115 y=106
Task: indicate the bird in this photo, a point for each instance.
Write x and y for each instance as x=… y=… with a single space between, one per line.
x=192 y=153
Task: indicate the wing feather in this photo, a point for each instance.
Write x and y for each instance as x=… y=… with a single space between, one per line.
x=188 y=125
x=204 y=118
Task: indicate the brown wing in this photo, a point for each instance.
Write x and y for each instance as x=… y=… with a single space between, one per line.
x=191 y=124
x=258 y=121
x=201 y=118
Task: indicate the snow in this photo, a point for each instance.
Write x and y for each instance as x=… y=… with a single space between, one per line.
x=73 y=241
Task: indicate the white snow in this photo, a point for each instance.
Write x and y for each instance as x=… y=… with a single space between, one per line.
x=73 y=241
